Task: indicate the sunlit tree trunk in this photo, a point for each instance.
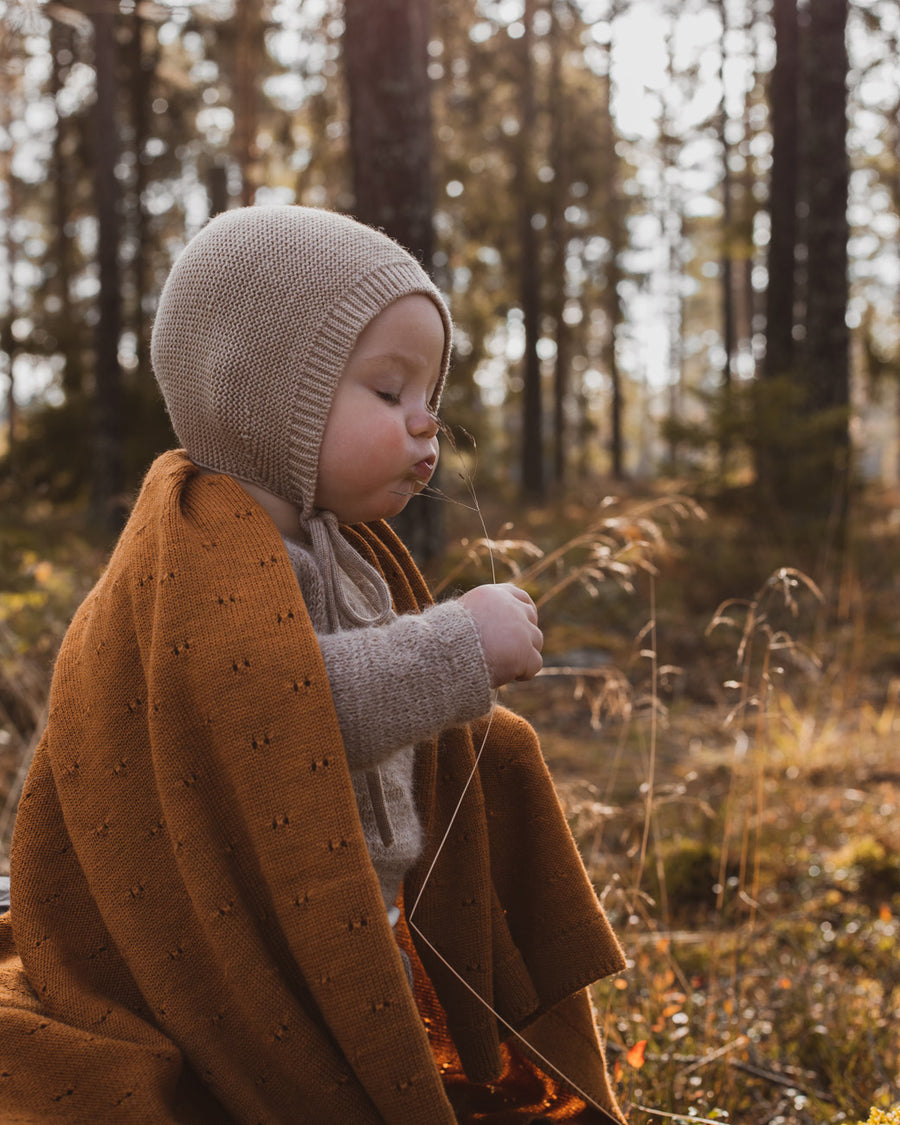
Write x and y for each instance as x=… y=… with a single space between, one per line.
x=671 y=225
x=217 y=188
x=894 y=185
x=675 y=322
x=775 y=401
x=783 y=188
x=532 y=471
x=68 y=334
x=560 y=238
x=726 y=260
x=108 y=436
x=248 y=51
x=748 y=304
x=140 y=66
x=390 y=118
x=827 y=337
x=391 y=153
x=618 y=237
x=7 y=339
x=804 y=429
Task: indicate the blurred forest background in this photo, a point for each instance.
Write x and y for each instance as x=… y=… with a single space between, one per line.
x=669 y=231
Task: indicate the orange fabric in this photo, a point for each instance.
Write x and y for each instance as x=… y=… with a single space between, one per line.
x=520 y=1091
x=196 y=933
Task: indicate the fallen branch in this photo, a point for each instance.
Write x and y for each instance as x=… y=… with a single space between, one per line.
x=740 y=1041
x=786 y=1080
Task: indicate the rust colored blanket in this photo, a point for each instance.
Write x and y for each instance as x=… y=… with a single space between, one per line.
x=196 y=933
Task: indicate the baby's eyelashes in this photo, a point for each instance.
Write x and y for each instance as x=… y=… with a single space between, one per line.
x=388 y=396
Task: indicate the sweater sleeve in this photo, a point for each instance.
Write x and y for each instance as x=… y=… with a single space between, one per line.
x=394 y=685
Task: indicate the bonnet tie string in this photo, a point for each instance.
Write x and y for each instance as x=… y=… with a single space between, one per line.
x=333 y=554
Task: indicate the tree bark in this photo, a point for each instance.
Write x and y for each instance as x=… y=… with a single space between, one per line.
x=783 y=187
x=671 y=220
x=248 y=48
x=68 y=335
x=140 y=69
x=106 y=503
x=532 y=452
x=618 y=239
x=776 y=402
x=748 y=304
x=827 y=229
x=894 y=187
x=391 y=158
x=7 y=339
x=560 y=238
x=390 y=118
x=726 y=260
x=827 y=337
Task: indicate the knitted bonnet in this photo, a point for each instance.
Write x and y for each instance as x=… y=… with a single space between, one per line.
x=255 y=325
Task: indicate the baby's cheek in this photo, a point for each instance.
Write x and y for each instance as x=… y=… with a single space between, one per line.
x=393 y=444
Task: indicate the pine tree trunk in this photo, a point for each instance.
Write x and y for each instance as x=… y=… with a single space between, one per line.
x=217 y=188
x=560 y=239
x=7 y=339
x=140 y=67
x=390 y=119
x=68 y=334
x=672 y=224
x=726 y=262
x=532 y=453
x=783 y=187
x=827 y=337
x=748 y=303
x=776 y=401
x=248 y=47
x=618 y=239
x=894 y=183
x=391 y=155
x=106 y=497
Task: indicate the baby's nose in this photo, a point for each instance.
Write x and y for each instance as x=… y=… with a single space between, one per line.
x=423 y=423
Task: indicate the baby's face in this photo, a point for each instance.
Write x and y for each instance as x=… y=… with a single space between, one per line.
x=380 y=442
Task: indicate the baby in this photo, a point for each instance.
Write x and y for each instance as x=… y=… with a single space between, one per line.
x=265 y=744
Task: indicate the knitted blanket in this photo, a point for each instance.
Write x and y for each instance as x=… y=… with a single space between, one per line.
x=196 y=932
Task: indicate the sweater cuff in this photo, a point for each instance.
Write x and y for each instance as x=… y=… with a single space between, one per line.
x=394 y=685
x=463 y=651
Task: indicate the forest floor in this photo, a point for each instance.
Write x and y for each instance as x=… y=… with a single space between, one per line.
x=722 y=725
x=724 y=738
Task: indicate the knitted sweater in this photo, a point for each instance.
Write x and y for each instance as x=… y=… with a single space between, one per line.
x=393 y=686
x=197 y=935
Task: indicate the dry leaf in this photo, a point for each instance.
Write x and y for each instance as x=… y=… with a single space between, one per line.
x=635 y=1055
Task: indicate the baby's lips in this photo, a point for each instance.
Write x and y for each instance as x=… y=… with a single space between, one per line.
x=422 y=470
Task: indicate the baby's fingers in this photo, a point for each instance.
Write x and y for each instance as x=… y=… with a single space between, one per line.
x=531 y=665
x=525 y=598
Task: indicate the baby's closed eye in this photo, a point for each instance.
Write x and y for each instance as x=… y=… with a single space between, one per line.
x=388 y=396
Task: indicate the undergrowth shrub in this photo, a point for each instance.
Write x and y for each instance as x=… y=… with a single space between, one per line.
x=882 y=1117
x=869 y=867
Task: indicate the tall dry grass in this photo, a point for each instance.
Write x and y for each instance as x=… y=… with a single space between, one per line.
x=746 y=850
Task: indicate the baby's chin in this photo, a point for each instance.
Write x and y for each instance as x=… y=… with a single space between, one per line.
x=399 y=500
x=384 y=509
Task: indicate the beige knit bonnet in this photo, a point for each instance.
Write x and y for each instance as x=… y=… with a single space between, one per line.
x=255 y=325
x=256 y=322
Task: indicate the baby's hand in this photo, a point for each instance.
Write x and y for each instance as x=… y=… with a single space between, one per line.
x=506 y=619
